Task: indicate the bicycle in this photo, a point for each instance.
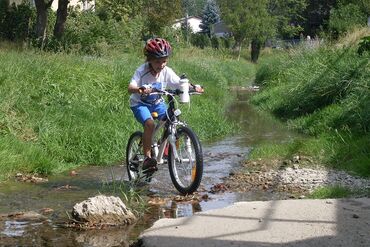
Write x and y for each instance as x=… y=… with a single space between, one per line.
x=174 y=143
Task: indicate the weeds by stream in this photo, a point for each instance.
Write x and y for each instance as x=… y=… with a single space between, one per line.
x=324 y=93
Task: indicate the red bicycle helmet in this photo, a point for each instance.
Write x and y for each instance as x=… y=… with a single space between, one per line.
x=157 y=48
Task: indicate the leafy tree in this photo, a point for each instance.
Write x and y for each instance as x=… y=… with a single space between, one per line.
x=3 y=12
x=15 y=20
x=288 y=15
x=160 y=13
x=317 y=15
x=345 y=17
x=363 y=4
x=189 y=7
x=200 y=40
x=193 y=7
x=210 y=15
x=120 y=10
x=249 y=21
x=156 y=13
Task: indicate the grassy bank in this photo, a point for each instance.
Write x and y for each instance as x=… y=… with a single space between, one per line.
x=59 y=111
x=325 y=93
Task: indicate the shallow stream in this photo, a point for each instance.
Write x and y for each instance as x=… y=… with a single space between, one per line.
x=61 y=192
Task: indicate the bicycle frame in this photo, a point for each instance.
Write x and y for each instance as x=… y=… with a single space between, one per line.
x=169 y=135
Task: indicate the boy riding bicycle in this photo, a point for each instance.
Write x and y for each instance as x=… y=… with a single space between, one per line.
x=154 y=73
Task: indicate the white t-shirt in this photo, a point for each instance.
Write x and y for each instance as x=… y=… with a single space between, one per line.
x=167 y=78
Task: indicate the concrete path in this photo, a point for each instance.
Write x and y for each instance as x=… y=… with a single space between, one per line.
x=328 y=222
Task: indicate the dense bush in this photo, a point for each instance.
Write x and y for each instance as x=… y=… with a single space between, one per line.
x=15 y=21
x=364 y=45
x=346 y=17
x=215 y=41
x=226 y=42
x=200 y=40
x=86 y=33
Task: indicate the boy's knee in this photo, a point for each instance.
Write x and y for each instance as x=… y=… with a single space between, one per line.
x=149 y=123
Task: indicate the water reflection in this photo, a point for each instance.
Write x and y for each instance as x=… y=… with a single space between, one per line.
x=176 y=210
x=14 y=228
x=23 y=233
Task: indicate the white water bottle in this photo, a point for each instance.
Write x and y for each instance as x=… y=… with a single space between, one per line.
x=184 y=87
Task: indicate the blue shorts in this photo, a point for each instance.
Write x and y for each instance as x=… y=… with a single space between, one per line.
x=143 y=112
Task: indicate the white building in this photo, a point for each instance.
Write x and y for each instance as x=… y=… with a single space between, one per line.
x=193 y=22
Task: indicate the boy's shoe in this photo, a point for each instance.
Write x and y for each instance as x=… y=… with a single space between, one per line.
x=149 y=166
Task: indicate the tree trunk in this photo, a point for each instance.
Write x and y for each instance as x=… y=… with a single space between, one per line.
x=237 y=48
x=255 y=51
x=42 y=20
x=61 y=18
x=239 y=51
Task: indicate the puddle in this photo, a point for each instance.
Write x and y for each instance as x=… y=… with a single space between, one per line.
x=61 y=192
x=14 y=228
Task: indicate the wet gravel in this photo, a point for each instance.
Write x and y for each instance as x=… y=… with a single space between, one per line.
x=293 y=176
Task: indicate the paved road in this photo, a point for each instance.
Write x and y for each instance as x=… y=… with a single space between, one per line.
x=329 y=222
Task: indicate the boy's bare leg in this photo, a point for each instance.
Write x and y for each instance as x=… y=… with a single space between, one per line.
x=147 y=138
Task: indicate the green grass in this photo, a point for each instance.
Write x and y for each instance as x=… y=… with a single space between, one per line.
x=59 y=111
x=323 y=93
x=331 y=192
x=216 y=72
x=343 y=152
x=316 y=149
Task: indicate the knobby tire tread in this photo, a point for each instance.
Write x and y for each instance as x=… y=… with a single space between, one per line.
x=199 y=162
x=128 y=149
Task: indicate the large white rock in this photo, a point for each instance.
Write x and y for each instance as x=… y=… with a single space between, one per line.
x=108 y=210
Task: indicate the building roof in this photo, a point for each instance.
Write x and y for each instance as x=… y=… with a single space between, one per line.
x=189 y=18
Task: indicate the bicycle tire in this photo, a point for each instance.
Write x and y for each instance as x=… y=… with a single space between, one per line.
x=134 y=155
x=187 y=174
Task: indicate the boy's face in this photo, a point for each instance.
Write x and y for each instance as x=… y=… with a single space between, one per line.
x=158 y=63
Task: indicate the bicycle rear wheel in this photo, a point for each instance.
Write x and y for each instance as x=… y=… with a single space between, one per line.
x=187 y=171
x=134 y=155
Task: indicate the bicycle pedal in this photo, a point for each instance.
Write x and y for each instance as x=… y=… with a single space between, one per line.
x=151 y=170
x=134 y=169
x=148 y=179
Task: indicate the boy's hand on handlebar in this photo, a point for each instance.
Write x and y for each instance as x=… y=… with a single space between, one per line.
x=145 y=90
x=198 y=88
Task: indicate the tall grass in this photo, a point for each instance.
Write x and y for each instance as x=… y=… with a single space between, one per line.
x=325 y=93
x=216 y=72
x=58 y=111
x=331 y=192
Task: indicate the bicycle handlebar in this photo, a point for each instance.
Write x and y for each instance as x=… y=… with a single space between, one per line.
x=172 y=92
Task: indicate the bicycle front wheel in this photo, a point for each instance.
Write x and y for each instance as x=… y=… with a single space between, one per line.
x=186 y=171
x=134 y=155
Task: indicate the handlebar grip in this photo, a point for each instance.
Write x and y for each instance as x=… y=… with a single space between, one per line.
x=193 y=87
x=175 y=92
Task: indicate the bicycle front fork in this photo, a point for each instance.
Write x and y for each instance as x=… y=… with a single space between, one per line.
x=172 y=141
